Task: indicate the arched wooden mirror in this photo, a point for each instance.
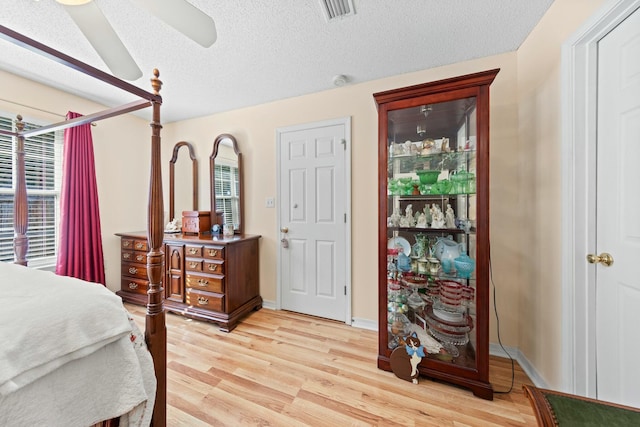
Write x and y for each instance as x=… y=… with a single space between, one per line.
x=225 y=179
x=182 y=167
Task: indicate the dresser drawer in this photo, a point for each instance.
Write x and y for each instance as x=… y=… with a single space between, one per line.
x=213 y=267
x=134 y=244
x=138 y=286
x=213 y=252
x=139 y=257
x=140 y=245
x=193 y=251
x=205 y=300
x=194 y=265
x=205 y=283
x=204 y=266
x=134 y=270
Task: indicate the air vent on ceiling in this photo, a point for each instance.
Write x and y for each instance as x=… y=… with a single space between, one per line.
x=337 y=8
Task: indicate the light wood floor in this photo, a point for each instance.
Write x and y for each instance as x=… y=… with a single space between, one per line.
x=279 y=368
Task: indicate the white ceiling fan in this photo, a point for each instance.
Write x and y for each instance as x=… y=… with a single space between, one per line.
x=179 y=14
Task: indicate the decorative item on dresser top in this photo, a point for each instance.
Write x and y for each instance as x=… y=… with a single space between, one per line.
x=207 y=277
x=196 y=222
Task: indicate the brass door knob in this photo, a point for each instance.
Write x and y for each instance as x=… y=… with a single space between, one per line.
x=284 y=229
x=604 y=259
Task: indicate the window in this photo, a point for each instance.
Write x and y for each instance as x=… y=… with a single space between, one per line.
x=227 y=192
x=43 y=166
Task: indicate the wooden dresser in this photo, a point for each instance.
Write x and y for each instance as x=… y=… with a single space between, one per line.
x=206 y=277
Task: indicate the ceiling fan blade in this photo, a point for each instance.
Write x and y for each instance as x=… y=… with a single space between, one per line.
x=184 y=17
x=96 y=28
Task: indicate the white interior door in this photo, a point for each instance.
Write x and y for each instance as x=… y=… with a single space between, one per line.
x=313 y=219
x=618 y=214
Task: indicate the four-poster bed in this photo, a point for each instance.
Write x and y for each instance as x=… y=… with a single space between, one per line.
x=155 y=329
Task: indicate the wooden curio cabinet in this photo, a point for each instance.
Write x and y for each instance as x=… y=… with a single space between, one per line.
x=433 y=168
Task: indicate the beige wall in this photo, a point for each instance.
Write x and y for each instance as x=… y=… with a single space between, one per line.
x=539 y=118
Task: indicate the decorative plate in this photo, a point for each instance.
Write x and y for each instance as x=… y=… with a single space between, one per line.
x=401 y=242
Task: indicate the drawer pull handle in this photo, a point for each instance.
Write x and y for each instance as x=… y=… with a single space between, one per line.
x=133 y=270
x=202 y=282
x=140 y=257
x=193 y=251
x=193 y=264
x=126 y=255
x=126 y=243
x=139 y=245
x=203 y=301
x=213 y=252
x=133 y=285
x=213 y=267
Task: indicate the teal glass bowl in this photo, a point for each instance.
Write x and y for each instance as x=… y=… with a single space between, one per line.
x=464 y=266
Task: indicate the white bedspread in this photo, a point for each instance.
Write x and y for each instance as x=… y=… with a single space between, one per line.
x=47 y=320
x=70 y=355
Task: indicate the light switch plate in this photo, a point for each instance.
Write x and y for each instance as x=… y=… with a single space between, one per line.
x=270 y=202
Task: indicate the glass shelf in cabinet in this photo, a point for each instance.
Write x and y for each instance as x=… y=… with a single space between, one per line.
x=439 y=155
x=427 y=196
x=406 y=163
x=454 y=276
x=421 y=196
x=430 y=230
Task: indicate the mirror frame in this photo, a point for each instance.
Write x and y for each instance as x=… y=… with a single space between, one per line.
x=194 y=170
x=216 y=145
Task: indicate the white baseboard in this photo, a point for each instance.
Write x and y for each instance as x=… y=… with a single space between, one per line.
x=271 y=305
x=496 y=349
x=364 y=324
x=355 y=322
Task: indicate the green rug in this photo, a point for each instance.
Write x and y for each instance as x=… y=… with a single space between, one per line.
x=571 y=412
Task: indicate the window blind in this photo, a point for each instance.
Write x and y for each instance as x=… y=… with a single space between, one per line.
x=43 y=169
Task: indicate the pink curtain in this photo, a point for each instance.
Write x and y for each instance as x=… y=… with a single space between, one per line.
x=80 y=250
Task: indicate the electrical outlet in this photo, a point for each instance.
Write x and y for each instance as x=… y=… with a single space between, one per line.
x=270 y=202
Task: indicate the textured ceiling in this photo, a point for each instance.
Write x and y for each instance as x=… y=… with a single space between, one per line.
x=268 y=49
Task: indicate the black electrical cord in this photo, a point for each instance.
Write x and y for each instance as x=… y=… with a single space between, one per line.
x=495 y=309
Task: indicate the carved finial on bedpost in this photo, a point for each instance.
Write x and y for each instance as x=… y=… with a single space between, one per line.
x=20 y=210
x=156 y=83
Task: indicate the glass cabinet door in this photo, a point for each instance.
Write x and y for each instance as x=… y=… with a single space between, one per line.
x=431 y=216
x=434 y=227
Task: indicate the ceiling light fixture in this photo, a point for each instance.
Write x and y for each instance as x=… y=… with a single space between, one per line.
x=340 y=80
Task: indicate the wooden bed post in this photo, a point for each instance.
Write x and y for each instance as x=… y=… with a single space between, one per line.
x=155 y=329
x=20 y=204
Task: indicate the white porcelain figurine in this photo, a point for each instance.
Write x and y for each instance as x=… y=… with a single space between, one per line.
x=437 y=217
x=450 y=217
